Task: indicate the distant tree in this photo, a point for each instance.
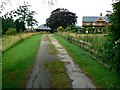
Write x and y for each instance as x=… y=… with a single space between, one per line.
x=24 y=16
x=61 y=17
x=30 y=20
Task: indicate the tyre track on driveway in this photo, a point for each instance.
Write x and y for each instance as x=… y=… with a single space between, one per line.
x=39 y=77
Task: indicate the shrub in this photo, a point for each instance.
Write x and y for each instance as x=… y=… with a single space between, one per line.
x=113 y=49
x=11 y=31
x=60 y=29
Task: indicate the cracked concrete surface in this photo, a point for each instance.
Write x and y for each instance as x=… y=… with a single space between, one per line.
x=78 y=78
x=39 y=77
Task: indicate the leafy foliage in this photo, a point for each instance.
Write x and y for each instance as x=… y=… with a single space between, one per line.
x=7 y=23
x=102 y=77
x=20 y=26
x=11 y=31
x=30 y=19
x=61 y=17
x=24 y=17
x=60 y=29
x=113 y=46
x=72 y=28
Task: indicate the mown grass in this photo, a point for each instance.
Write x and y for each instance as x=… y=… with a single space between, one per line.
x=58 y=76
x=18 y=61
x=101 y=76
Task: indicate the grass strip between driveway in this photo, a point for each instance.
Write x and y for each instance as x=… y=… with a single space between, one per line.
x=18 y=61
x=58 y=75
x=52 y=47
x=101 y=76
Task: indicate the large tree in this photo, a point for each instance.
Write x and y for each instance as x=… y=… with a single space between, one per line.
x=61 y=17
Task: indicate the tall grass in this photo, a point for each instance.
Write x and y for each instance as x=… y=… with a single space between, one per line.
x=97 y=40
x=10 y=40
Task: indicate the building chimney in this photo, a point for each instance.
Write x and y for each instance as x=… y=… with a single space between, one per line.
x=101 y=14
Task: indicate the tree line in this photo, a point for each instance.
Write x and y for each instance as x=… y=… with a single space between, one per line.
x=19 y=19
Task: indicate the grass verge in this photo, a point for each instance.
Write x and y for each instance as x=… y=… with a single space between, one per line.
x=52 y=47
x=58 y=76
x=17 y=62
x=102 y=77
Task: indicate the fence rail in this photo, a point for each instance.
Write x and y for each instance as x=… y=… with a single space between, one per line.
x=87 y=46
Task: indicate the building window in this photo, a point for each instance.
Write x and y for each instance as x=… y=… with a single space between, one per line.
x=87 y=23
x=93 y=23
x=99 y=23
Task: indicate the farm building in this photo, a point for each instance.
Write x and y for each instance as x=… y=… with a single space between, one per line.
x=43 y=28
x=95 y=21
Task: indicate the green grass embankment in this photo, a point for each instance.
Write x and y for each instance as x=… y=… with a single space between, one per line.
x=18 y=61
x=101 y=76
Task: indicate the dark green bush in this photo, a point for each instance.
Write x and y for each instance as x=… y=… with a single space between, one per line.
x=113 y=47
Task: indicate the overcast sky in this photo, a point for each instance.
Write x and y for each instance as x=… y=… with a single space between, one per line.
x=80 y=7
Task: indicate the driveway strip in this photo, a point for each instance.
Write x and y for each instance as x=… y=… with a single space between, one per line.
x=39 y=77
x=78 y=78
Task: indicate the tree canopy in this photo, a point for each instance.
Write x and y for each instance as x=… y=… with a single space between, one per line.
x=61 y=17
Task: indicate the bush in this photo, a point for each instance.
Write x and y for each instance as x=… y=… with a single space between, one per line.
x=71 y=28
x=113 y=51
x=11 y=31
x=60 y=29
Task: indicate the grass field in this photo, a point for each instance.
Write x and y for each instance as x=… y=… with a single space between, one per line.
x=17 y=62
x=102 y=77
